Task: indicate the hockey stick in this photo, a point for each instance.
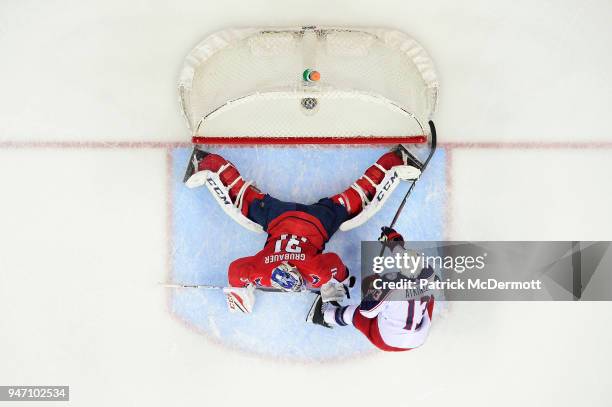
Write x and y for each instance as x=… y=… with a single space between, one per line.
x=403 y=203
x=219 y=287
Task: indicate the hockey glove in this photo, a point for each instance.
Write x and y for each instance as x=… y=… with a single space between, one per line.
x=391 y=238
x=240 y=299
x=335 y=291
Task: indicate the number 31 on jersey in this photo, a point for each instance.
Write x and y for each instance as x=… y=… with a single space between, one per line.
x=289 y=244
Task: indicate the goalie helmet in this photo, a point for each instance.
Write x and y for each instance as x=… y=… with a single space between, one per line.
x=286 y=277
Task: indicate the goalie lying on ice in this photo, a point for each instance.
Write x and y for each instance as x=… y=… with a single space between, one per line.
x=391 y=319
x=292 y=258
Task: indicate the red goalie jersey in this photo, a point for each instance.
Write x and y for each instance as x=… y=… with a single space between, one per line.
x=295 y=237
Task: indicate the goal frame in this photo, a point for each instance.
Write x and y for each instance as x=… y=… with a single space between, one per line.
x=222 y=40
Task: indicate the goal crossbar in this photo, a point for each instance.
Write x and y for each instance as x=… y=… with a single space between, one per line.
x=310 y=140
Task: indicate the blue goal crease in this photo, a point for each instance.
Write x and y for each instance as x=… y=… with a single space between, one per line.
x=206 y=240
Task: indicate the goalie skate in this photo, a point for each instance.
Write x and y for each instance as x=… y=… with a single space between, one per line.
x=407 y=157
x=193 y=178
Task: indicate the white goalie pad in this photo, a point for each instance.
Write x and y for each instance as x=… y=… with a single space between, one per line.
x=221 y=195
x=383 y=191
x=240 y=299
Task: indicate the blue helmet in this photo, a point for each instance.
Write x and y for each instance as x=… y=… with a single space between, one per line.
x=286 y=277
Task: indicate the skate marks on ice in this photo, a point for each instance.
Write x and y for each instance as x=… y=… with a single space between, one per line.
x=205 y=241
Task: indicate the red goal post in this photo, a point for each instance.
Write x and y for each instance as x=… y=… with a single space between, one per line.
x=255 y=86
x=311 y=140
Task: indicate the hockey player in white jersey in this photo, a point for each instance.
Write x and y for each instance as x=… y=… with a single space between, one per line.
x=393 y=320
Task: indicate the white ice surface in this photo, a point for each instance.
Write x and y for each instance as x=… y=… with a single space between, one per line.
x=84 y=233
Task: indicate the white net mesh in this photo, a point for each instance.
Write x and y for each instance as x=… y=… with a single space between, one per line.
x=248 y=83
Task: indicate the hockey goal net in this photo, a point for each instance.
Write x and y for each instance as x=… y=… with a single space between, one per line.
x=308 y=85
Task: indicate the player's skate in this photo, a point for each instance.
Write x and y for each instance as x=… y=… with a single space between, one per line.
x=317 y=311
x=225 y=183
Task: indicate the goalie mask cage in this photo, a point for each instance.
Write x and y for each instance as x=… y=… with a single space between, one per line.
x=252 y=86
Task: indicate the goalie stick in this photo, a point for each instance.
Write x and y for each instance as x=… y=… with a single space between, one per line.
x=424 y=165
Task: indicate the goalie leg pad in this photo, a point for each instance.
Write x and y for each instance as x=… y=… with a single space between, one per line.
x=222 y=196
x=361 y=193
x=383 y=191
x=225 y=183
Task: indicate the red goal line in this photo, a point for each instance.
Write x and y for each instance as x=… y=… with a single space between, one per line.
x=363 y=140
